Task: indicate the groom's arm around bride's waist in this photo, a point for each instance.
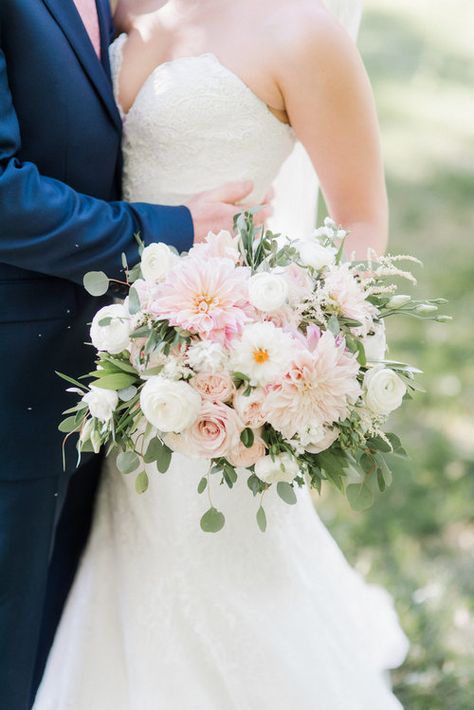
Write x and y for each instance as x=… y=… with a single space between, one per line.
x=48 y=227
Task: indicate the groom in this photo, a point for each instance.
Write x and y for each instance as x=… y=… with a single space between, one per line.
x=60 y=216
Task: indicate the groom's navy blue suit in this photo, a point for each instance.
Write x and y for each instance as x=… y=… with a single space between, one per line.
x=60 y=216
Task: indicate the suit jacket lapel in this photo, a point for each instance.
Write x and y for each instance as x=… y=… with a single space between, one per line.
x=68 y=18
x=106 y=33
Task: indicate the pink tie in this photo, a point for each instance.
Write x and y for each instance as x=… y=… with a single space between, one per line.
x=88 y=12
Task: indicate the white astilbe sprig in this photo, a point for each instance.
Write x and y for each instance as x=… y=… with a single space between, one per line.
x=385 y=266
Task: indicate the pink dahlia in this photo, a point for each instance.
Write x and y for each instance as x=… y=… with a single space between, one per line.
x=316 y=390
x=207 y=297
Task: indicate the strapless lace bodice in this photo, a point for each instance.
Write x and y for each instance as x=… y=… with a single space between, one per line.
x=194 y=126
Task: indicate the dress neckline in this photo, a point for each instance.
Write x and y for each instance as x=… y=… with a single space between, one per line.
x=121 y=39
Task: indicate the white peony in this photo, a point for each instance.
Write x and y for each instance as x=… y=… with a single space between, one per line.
x=206 y=356
x=315 y=255
x=113 y=335
x=157 y=261
x=283 y=468
x=267 y=292
x=263 y=353
x=102 y=403
x=384 y=390
x=168 y=405
x=375 y=345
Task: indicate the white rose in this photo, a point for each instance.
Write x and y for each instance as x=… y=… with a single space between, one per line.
x=114 y=336
x=314 y=254
x=102 y=403
x=283 y=468
x=267 y=291
x=157 y=260
x=169 y=405
x=375 y=345
x=384 y=390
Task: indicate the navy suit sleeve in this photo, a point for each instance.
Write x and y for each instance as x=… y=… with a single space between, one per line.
x=46 y=226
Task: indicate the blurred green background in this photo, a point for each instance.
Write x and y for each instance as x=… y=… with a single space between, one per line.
x=418 y=540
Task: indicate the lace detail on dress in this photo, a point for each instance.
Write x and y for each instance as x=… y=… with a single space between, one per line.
x=193 y=126
x=116 y=57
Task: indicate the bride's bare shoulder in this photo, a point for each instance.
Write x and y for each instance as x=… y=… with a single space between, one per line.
x=307 y=29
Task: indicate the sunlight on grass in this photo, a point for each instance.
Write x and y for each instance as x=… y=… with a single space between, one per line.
x=418 y=540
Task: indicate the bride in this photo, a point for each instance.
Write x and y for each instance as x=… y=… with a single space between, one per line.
x=162 y=615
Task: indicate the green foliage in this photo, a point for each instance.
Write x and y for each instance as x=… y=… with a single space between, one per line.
x=212 y=521
x=286 y=492
x=127 y=462
x=96 y=283
x=418 y=538
x=261 y=519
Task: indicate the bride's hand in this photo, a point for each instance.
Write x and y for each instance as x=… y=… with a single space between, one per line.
x=215 y=210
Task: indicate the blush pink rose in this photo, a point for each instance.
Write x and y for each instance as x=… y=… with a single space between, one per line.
x=243 y=457
x=216 y=387
x=215 y=432
x=249 y=408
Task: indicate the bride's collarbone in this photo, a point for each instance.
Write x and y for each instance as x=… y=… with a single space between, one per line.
x=141 y=58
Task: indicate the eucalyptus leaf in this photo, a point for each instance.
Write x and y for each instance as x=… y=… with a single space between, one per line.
x=127 y=394
x=134 y=304
x=127 y=462
x=359 y=496
x=212 y=521
x=286 y=492
x=141 y=482
x=68 y=425
x=202 y=485
x=153 y=451
x=261 y=519
x=163 y=463
x=96 y=283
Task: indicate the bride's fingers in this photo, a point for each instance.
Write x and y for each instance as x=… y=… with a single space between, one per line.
x=269 y=197
x=232 y=192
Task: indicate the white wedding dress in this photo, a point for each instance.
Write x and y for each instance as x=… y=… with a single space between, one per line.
x=163 y=616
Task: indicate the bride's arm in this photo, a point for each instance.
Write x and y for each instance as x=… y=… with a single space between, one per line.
x=330 y=105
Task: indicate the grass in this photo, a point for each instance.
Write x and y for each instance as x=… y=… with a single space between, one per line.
x=418 y=540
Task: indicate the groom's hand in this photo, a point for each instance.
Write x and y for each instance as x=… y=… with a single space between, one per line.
x=215 y=210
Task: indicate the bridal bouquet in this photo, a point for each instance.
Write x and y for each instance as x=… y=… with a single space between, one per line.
x=263 y=355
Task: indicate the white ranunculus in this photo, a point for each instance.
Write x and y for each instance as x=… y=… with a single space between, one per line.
x=267 y=292
x=283 y=468
x=375 y=345
x=207 y=356
x=157 y=260
x=102 y=403
x=315 y=255
x=168 y=405
x=384 y=390
x=114 y=336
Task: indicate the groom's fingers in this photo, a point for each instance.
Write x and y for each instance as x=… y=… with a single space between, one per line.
x=232 y=192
